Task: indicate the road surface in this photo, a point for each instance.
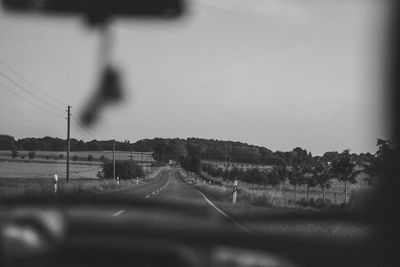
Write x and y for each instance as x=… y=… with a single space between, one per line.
x=170 y=187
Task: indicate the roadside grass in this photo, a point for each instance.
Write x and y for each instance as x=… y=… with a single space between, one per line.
x=244 y=197
x=276 y=198
x=252 y=206
x=20 y=187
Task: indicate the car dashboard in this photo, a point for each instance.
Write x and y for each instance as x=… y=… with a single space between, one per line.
x=102 y=232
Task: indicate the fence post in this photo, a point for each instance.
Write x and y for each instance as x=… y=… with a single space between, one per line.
x=55 y=183
x=235 y=187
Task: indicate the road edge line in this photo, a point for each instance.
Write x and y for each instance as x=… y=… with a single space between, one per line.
x=123 y=189
x=224 y=214
x=118 y=213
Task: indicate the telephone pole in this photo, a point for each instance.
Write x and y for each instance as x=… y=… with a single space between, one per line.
x=68 y=141
x=114 y=159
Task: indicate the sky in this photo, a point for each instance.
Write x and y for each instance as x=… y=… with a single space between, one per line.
x=275 y=73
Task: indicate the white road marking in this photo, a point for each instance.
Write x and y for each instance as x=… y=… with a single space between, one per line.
x=224 y=214
x=119 y=212
x=161 y=188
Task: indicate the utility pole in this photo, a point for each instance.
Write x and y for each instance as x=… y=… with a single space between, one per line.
x=114 y=159
x=68 y=141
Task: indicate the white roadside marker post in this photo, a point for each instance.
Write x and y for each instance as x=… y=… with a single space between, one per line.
x=137 y=180
x=117 y=180
x=55 y=183
x=235 y=188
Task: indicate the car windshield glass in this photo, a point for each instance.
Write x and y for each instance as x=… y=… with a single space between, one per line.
x=250 y=108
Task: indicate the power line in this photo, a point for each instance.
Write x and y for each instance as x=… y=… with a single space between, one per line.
x=84 y=128
x=86 y=134
x=30 y=102
x=76 y=127
x=31 y=84
x=29 y=92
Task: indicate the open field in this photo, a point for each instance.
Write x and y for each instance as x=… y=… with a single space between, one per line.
x=19 y=187
x=52 y=156
x=240 y=165
x=29 y=170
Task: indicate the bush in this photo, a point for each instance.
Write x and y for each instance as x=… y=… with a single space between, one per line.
x=90 y=158
x=363 y=199
x=61 y=156
x=191 y=164
x=31 y=155
x=303 y=202
x=314 y=203
x=47 y=157
x=124 y=169
x=319 y=203
x=14 y=153
x=75 y=158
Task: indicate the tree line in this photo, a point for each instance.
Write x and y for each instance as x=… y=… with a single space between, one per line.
x=177 y=149
x=310 y=171
x=48 y=143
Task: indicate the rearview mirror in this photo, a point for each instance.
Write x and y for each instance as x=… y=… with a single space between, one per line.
x=99 y=10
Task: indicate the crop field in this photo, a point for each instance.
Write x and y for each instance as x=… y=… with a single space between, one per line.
x=15 y=169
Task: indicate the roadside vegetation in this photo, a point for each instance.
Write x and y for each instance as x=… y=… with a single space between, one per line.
x=303 y=181
x=20 y=187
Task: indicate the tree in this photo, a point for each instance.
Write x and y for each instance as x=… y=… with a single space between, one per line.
x=308 y=179
x=322 y=177
x=343 y=167
x=296 y=177
x=272 y=177
x=282 y=172
x=14 y=152
x=192 y=164
x=31 y=155
x=376 y=165
x=253 y=176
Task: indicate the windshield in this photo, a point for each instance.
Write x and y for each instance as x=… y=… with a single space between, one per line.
x=251 y=108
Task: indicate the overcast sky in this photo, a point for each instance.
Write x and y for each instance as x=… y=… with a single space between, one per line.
x=275 y=73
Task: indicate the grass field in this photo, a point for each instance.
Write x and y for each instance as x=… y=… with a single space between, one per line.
x=30 y=170
x=19 y=187
x=5 y=155
x=262 y=196
x=335 y=194
x=252 y=205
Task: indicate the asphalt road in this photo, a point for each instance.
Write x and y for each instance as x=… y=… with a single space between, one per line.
x=169 y=186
